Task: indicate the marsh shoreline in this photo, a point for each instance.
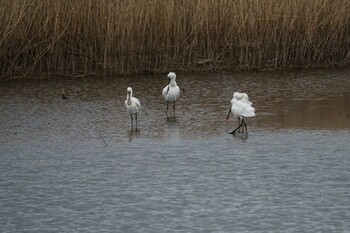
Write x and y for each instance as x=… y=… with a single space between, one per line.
x=82 y=37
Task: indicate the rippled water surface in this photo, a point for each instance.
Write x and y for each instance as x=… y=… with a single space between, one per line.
x=74 y=165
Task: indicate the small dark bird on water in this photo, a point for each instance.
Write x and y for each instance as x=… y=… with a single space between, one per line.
x=63 y=95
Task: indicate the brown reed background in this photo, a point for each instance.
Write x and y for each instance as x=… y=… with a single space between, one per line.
x=82 y=37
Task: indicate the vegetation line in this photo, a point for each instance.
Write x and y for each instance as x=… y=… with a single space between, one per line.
x=83 y=37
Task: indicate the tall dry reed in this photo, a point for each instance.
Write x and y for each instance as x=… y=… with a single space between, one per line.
x=68 y=37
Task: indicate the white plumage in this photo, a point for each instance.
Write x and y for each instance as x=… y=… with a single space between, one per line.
x=242 y=108
x=133 y=106
x=171 y=92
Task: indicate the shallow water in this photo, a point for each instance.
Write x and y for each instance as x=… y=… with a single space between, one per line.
x=74 y=165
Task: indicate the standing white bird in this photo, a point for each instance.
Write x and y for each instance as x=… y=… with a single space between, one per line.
x=133 y=106
x=242 y=108
x=245 y=98
x=171 y=92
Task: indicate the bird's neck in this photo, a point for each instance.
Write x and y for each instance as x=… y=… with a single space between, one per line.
x=172 y=83
x=128 y=99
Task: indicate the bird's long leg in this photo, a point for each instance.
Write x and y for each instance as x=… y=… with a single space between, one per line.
x=234 y=131
x=167 y=106
x=174 y=109
x=132 y=122
x=136 y=120
x=228 y=114
x=245 y=126
x=239 y=122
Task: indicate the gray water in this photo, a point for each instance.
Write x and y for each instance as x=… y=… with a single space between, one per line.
x=75 y=166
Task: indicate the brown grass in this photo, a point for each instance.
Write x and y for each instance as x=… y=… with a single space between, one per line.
x=68 y=37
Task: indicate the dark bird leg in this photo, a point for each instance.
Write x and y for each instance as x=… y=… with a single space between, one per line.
x=245 y=126
x=174 y=109
x=239 y=122
x=167 y=106
x=132 y=122
x=234 y=131
x=136 y=120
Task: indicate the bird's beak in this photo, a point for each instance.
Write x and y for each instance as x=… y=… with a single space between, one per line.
x=168 y=86
x=228 y=115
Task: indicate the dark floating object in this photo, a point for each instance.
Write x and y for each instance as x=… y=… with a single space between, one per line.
x=63 y=95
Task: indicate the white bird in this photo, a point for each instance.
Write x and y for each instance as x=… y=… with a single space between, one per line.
x=171 y=92
x=242 y=108
x=133 y=106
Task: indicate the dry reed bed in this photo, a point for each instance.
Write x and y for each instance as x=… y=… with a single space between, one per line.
x=70 y=37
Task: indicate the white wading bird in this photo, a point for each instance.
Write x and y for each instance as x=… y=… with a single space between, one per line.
x=133 y=107
x=171 y=92
x=242 y=108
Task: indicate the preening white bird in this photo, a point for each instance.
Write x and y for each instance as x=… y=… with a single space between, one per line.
x=237 y=95
x=171 y=92
x=133 y=107
x=242 y=108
